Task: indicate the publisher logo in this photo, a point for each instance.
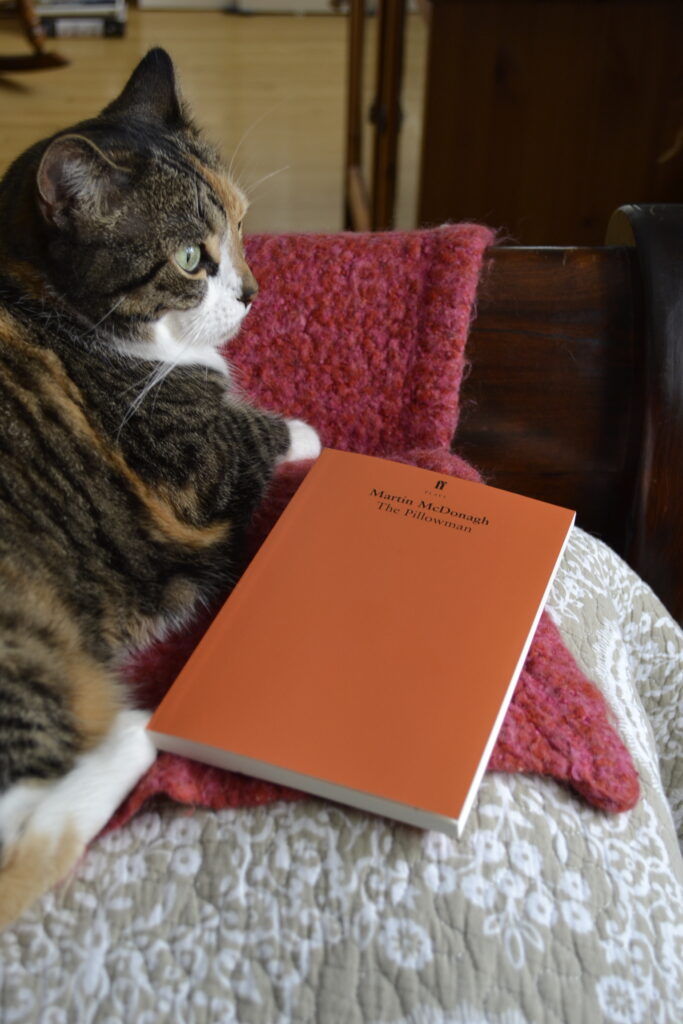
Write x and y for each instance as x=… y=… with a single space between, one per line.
x=440 y=484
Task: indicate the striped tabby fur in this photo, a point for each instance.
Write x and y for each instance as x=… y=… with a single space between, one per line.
x=128 y=466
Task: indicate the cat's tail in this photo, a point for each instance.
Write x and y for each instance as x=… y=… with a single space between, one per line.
x=46 y=826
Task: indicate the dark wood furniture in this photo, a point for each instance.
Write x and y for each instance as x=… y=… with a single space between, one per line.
x=540 y=116
x=543 y=116
x=40 y=58
x=575 y=391
x=369 y=204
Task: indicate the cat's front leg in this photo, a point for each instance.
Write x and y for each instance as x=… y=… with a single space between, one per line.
x=304 y=442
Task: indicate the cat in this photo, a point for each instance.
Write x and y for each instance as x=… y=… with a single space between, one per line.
x=129 y=465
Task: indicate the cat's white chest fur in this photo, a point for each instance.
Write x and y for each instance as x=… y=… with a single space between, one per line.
x=172 y=349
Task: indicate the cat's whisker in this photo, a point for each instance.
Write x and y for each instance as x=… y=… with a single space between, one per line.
x=160 y=382
x=107 y=315
x=250 y=188
x=245 y=135
x=154 y=380
x=135 y=384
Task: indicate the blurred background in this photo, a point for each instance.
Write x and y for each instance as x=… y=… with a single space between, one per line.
x=538 y=117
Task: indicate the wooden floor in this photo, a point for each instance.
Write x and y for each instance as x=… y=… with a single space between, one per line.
x=270 y=90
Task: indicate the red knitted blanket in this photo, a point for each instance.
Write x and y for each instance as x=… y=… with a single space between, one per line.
x=364 y=337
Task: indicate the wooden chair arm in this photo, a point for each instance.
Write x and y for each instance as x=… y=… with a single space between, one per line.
x=575 y=390
x=655 y=539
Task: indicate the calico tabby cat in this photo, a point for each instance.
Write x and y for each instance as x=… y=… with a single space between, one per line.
x=121 y=507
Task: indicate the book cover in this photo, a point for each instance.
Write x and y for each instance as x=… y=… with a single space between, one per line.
x=370 y=650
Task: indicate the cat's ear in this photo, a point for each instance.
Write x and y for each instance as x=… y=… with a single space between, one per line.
x=151 y=91
x=75 y=176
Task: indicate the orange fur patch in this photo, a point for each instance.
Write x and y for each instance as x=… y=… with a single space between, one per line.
x=235 y=206
x=57 y=386
x=96 y=698
x=231 y=197
x=34 y=865
x=32 y=281
x=213 y=247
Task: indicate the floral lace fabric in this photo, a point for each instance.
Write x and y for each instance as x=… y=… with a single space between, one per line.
x=546 y=911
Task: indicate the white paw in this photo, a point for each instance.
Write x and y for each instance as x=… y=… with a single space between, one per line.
x=100 y=779
x=130 y=744
x=132 y=719
x=17 y=804
x=304 y=442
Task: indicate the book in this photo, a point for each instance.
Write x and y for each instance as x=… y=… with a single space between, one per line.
x=370 y=650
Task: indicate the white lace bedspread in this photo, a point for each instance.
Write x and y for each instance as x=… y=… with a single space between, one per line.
x=546 y=912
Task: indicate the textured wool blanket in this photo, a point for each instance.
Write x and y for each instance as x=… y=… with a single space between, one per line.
x=363 y=336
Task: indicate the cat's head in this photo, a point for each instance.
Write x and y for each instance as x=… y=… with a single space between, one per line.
x=140 y=224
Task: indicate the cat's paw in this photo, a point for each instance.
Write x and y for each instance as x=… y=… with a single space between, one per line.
x=304 y=442
x=17 y=804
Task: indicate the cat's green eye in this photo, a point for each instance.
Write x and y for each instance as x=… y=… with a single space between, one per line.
x=188 y=258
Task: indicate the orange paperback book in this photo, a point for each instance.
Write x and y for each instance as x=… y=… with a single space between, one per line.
x=370 y=650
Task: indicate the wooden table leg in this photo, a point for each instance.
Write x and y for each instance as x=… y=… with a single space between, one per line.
x=387 y=112
x=40 y=58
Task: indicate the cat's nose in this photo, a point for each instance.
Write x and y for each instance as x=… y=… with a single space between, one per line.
x=249 y=289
